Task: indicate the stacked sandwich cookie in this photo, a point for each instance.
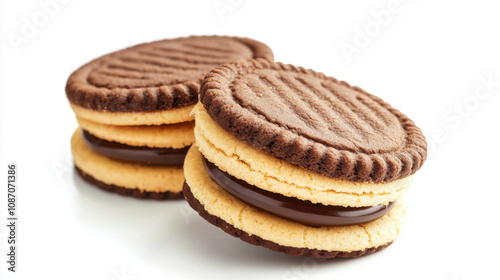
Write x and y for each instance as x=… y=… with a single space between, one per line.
x=298 y=162
x=133 y=107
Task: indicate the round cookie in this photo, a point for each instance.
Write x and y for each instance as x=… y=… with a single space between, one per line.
x=313 y=121
x=153 y=77
x=298 y=162
x=134 y=105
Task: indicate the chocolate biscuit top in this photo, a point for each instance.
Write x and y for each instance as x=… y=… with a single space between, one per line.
x=155 y=76
x=313 y=121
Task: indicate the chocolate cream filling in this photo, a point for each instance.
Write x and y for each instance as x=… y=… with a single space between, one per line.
x=294 y=209
x=136 y=154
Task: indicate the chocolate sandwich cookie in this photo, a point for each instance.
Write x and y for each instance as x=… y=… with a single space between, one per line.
x=298 y=162
x=133 y=107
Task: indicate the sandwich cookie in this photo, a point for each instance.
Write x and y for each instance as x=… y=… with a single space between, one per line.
x=133 y=108
x=298 y=162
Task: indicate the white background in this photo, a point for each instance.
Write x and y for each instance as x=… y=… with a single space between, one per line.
x=427 y=60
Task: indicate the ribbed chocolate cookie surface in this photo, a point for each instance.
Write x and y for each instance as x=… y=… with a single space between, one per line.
x=313 y=121
x=160 y=75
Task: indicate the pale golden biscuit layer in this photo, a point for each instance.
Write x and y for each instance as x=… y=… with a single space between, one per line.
x=155 y=136
x=269 y=173
x=124 y=174
x=179 y=115
x=219 y=203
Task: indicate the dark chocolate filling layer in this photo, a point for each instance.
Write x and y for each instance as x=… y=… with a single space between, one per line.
x=290 y=208
x=137 y=154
